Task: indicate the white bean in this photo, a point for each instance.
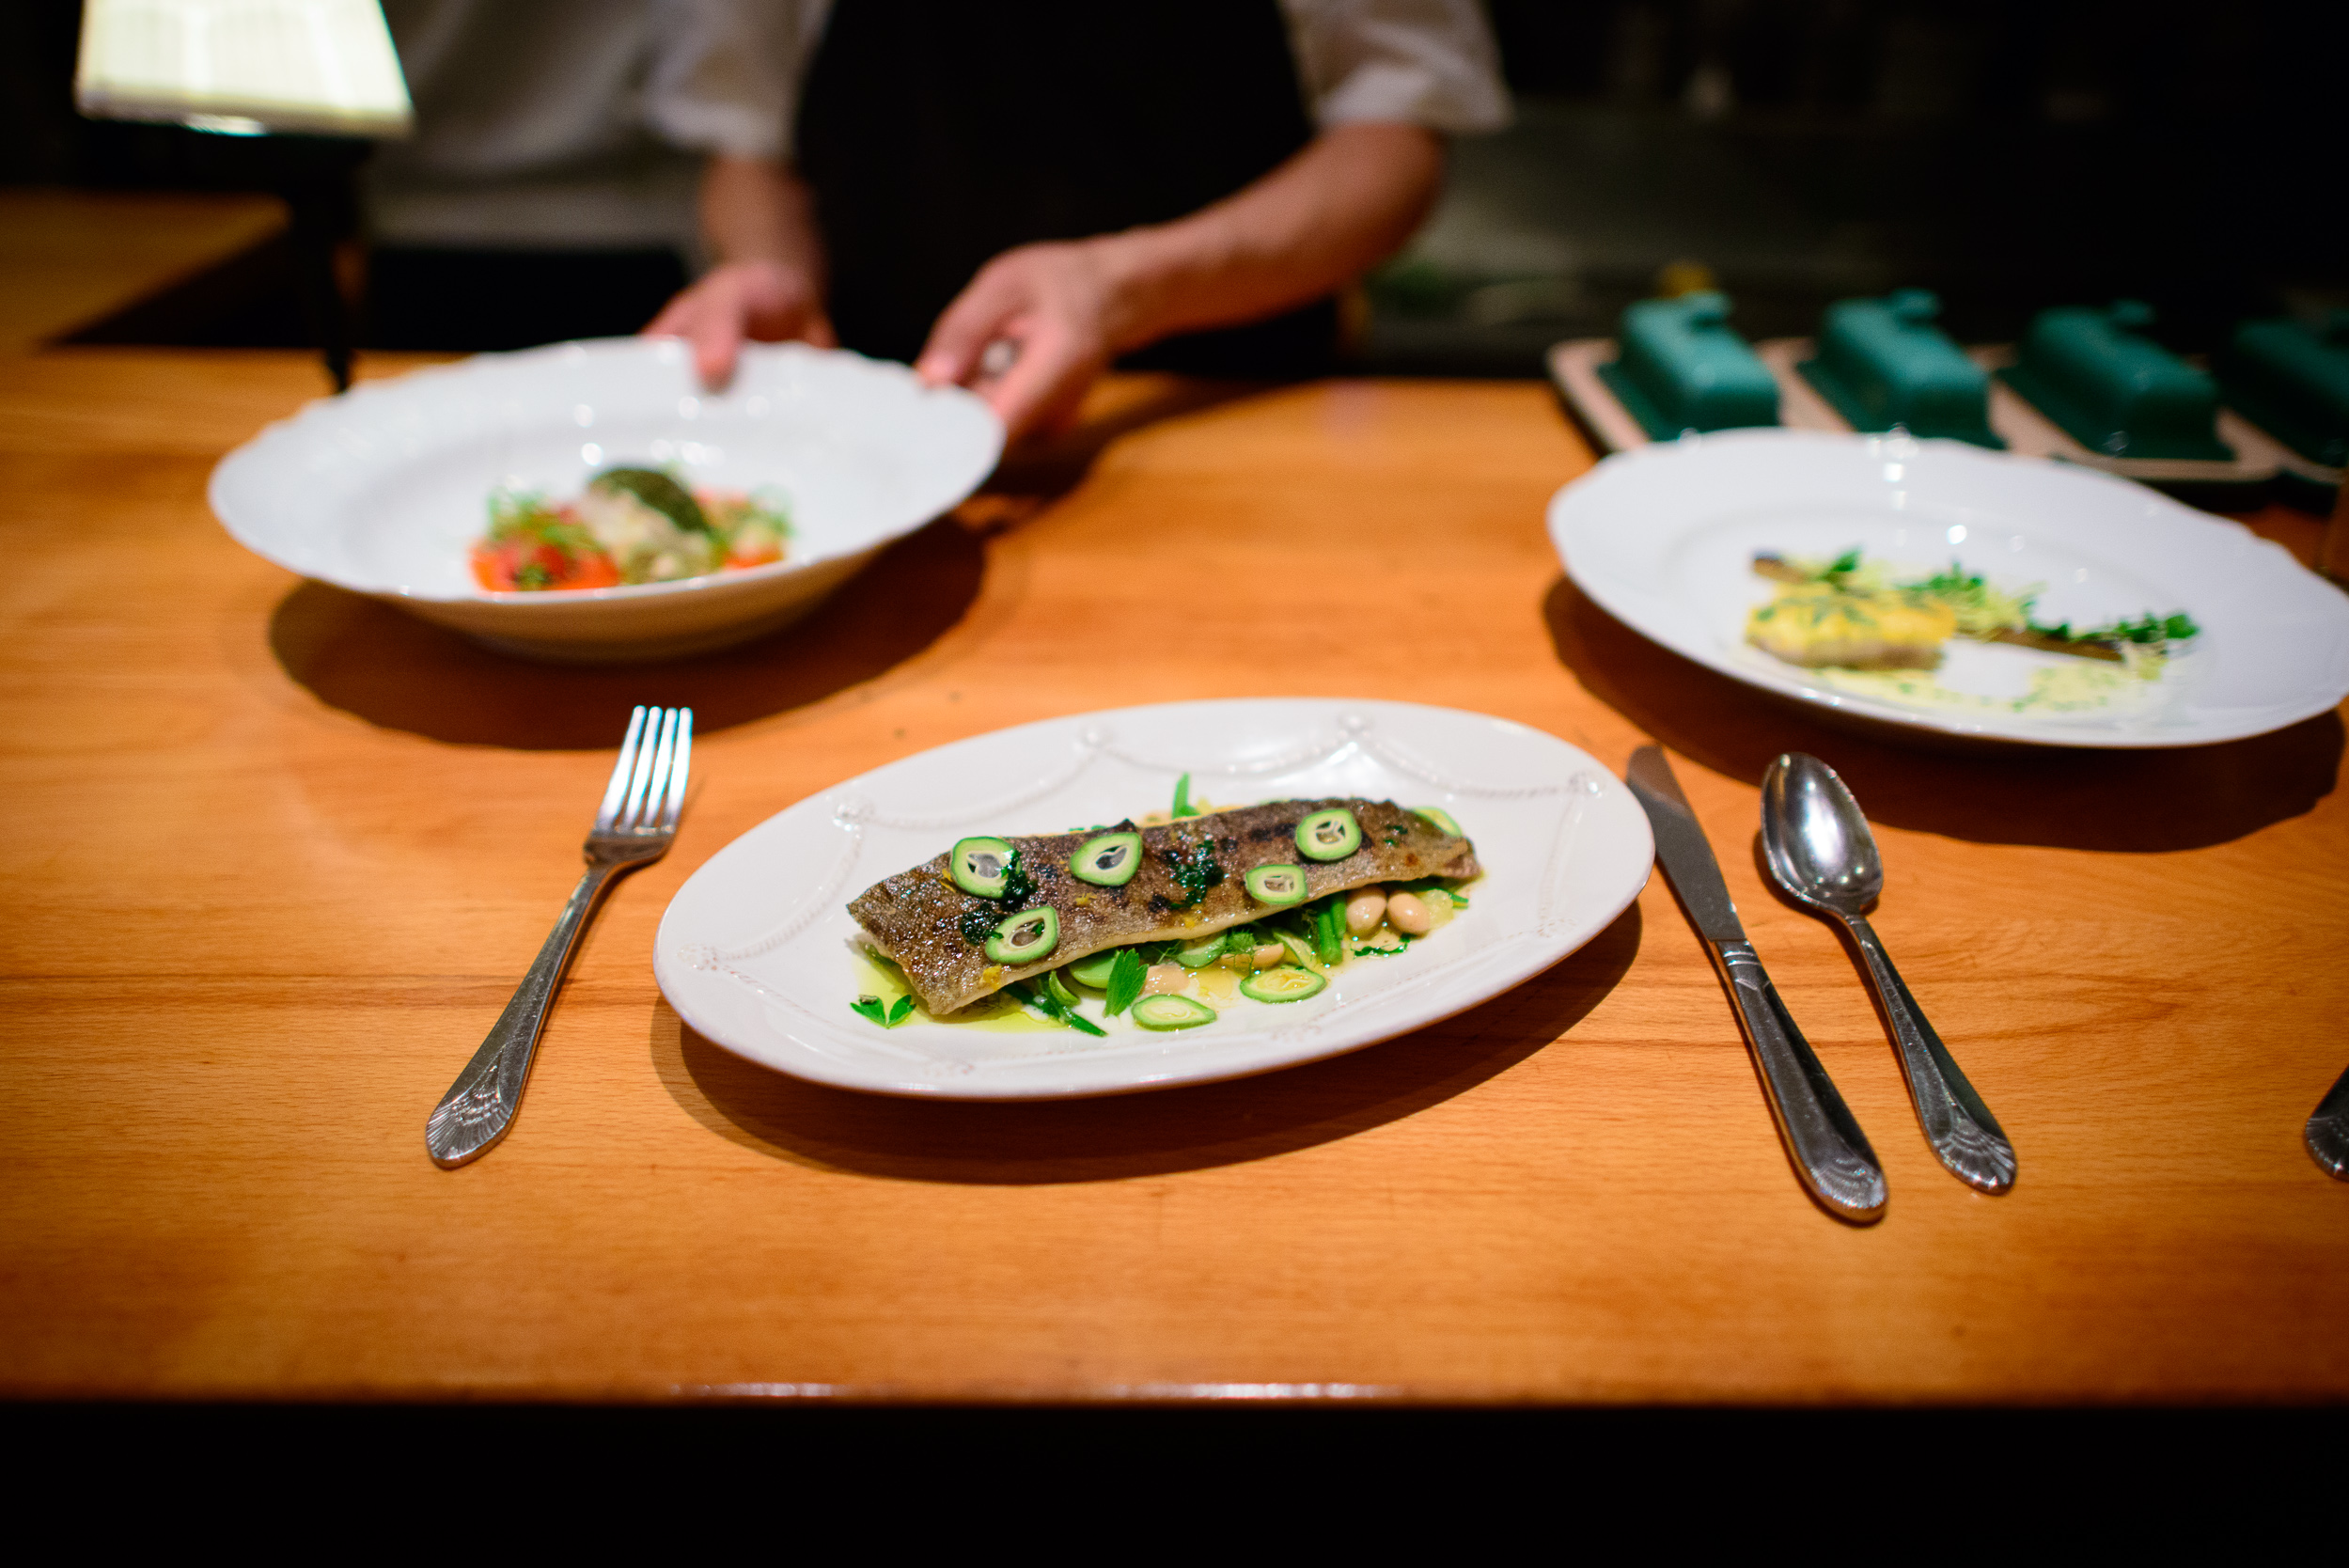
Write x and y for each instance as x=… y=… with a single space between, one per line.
x=1272 y=955
x=1408 y=914
x=1365 y=908
x=1166 y=979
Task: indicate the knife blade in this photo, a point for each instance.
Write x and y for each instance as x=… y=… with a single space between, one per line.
x=1823 y=1139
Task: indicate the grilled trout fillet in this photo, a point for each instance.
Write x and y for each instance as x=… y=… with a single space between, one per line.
x=916 y=918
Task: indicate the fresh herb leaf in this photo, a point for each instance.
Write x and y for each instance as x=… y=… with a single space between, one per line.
x=870 y=1007
x=1126 y=978
x=1401 y=943
x=898 y=1009
x=1183 y=798
x=1194 y=869
x=1050 y=1006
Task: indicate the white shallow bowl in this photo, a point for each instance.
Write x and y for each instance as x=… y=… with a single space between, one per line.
x=1663 y=538
x=756 y=951
x=383 y=489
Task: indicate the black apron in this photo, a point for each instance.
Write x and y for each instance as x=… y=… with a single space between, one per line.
x=937 y=134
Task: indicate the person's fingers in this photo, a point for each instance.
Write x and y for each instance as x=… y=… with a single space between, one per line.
x=976 y=318
x=718 y=329
x=1045 y=382
x=675 y=320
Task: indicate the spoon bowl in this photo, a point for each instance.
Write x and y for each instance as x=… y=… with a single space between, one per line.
x=1815 y=838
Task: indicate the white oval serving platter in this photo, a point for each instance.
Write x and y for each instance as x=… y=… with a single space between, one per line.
x=756 y=951
x=1662 y=538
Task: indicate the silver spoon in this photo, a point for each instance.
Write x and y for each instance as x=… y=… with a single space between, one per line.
x=1821 y=850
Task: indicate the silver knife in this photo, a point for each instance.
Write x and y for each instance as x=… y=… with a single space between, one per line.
x=1830 y=1152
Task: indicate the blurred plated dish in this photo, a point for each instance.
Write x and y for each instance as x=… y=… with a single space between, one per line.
x=1668 y=537
x=392 y=489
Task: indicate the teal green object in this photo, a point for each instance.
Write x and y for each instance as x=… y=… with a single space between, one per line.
x=1883 y=363
x=2293 y=381
x=2114 y=390
x=1684 y=368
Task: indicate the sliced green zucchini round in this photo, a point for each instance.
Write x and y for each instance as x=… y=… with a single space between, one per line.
x=1108 y=859
x=1279 y=886
x=1441 y=817
x=1284 y=984
x=980 y=867
x=1062 y=992
x=659 y=491
x=1025 y=937
x=1330 y=834
x=1094 y=971
x=1199 y=955
x=1172 y=1012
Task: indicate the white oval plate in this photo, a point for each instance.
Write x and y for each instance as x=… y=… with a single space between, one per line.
x=1662 y=538
x=756 y=950
x=383 y=489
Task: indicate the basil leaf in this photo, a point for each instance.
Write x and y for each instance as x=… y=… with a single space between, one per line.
x=1126 y=977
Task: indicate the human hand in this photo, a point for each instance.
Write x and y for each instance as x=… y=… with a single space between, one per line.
x=770 y=301
x=1060 y=308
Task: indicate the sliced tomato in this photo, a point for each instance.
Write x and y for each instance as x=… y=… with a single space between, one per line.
x=522 y=565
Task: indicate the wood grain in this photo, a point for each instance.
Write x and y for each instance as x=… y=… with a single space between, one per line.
x=278 y=854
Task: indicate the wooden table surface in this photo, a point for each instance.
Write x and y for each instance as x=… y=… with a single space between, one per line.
x=280 y=854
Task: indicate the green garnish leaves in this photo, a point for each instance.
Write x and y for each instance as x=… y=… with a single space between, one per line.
x=1194 y=869
x=1401 y=942
x=1126 y=978
x=888 y=1015
x=1017 y=883
x=1183 y=798
x=1051 y=1007
x=2145 y=629
x=659 y=491
x=978 y=924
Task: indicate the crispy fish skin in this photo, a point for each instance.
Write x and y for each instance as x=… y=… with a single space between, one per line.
x=915 y=917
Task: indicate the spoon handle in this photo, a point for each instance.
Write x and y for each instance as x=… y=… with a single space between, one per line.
x=1963 y=1134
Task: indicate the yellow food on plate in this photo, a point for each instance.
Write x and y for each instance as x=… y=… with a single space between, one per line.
x=1820 y=626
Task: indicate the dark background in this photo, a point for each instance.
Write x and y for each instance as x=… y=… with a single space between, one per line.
x=2010 y=155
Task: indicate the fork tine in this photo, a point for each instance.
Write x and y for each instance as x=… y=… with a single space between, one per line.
x=621 y=769
x=645 y=750
x=649 y=816
x=680 y=763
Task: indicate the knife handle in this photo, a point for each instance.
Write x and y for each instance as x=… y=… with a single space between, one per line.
x=1830 y=1153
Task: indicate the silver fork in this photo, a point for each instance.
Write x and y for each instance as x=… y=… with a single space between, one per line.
x=633 y=828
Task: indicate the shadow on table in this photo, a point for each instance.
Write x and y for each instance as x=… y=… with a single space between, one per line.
x=369 y=659
x=1034 y=1142
x=2134 y=801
